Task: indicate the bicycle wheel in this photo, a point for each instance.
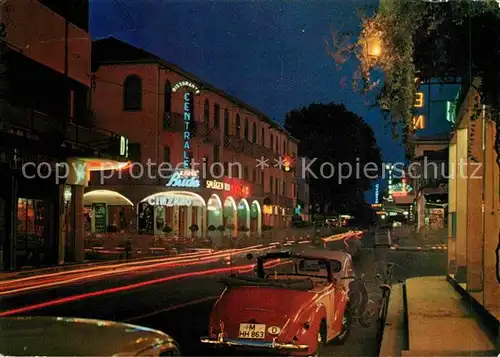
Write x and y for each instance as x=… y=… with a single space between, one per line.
x=382 y=316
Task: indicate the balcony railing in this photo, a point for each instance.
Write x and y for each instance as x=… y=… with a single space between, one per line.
x=54 y=132
x=173 y=122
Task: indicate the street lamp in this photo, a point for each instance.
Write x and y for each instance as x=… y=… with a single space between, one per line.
x=373 y=46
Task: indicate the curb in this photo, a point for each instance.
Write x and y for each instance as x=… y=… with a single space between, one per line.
x=393 y=337
x=437 y=248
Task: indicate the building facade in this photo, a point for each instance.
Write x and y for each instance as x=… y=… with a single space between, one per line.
x=47 y=145
x=202 y=145
x=473 y=232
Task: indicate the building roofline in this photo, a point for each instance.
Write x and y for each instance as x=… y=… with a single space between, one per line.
x=203 y=84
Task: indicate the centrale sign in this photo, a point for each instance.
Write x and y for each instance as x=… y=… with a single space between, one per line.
x=217 y=185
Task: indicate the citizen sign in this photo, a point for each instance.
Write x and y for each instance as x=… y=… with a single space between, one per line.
x=180 y=180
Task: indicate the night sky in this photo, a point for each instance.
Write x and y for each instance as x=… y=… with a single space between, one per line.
x=270 y=54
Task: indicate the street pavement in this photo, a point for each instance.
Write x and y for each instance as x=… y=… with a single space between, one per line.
x=177 y=299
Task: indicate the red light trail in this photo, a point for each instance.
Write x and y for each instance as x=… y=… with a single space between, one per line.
x=239 y=269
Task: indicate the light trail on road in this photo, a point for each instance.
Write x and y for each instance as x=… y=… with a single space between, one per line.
x=85 y=274
x=239 y=269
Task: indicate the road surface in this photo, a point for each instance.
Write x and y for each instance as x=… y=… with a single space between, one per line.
x=176 y=297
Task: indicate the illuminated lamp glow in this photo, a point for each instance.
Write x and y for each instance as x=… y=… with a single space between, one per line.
x=106 y=196
x=99 y=164
x=176 y=193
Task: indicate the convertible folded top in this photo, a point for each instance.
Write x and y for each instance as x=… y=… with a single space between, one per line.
x=294 y=284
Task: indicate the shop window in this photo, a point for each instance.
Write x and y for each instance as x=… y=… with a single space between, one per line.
x=132 y=93
x=246 y=129
x=31 y=218
x=238 y=126
x=216 y=116
x=226 y=122
x=167 y=98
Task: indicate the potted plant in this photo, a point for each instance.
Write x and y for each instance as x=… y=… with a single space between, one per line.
x=167 y=229
x=194 y=228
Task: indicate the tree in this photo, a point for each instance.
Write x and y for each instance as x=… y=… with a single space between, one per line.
x=419 y=41
x=337 y=141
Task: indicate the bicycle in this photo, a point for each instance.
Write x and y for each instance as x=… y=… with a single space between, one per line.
x=384 y=301
x=359 y=302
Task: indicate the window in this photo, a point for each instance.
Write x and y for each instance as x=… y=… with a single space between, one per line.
x=263 y=137
x=167 y=100
x=276 y=186
x=254 y=175
x=132 y=93
x=277 y=144
x=262 y=179
x=216 y=153
x=245 y=173
x=246 y=129
x=166 y=154
x=206 y=113
x=226 y=122
x=271 y=181
x=284 y=188
x=226 y=169
x=238 y=125
x=272 y=142
x=254 y=133
x=284 y=147
x=216 y=116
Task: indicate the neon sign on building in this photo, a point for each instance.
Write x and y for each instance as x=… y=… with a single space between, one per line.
x=188 y=84
x=188 y=102
x=185 y=178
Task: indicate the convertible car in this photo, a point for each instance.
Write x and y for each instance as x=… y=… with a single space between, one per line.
x=297 y=302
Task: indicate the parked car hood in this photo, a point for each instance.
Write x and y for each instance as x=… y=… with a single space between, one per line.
x=62 y=336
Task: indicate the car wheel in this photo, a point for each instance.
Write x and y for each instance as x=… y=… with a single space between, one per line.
x=346 y=327
x=321 y=339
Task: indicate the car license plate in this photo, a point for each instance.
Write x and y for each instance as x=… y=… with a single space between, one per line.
x=253 y=331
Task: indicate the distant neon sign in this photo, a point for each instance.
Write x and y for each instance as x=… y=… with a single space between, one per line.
x=184 y=178
x=188 y=84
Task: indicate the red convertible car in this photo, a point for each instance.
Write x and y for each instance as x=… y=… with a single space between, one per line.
x=292 y=308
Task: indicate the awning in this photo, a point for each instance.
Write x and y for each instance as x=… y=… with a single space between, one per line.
x=111 y=198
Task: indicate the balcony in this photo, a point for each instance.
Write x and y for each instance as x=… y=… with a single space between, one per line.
x=173 y=122
x=279 y=200
x=240 y=145
x=42 y=131
x=211 y=135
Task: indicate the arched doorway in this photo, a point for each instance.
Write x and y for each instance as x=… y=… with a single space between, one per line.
x=256 y=217
x=214 y=215
x=243 y=216
x=106 y=210
x=172 y=212
x=230 y=215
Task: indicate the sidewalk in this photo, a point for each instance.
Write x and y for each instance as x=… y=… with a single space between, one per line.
x=436 y=322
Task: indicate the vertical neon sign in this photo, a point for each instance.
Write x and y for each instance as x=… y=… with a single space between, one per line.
x=376 y=193
x=188 y=98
